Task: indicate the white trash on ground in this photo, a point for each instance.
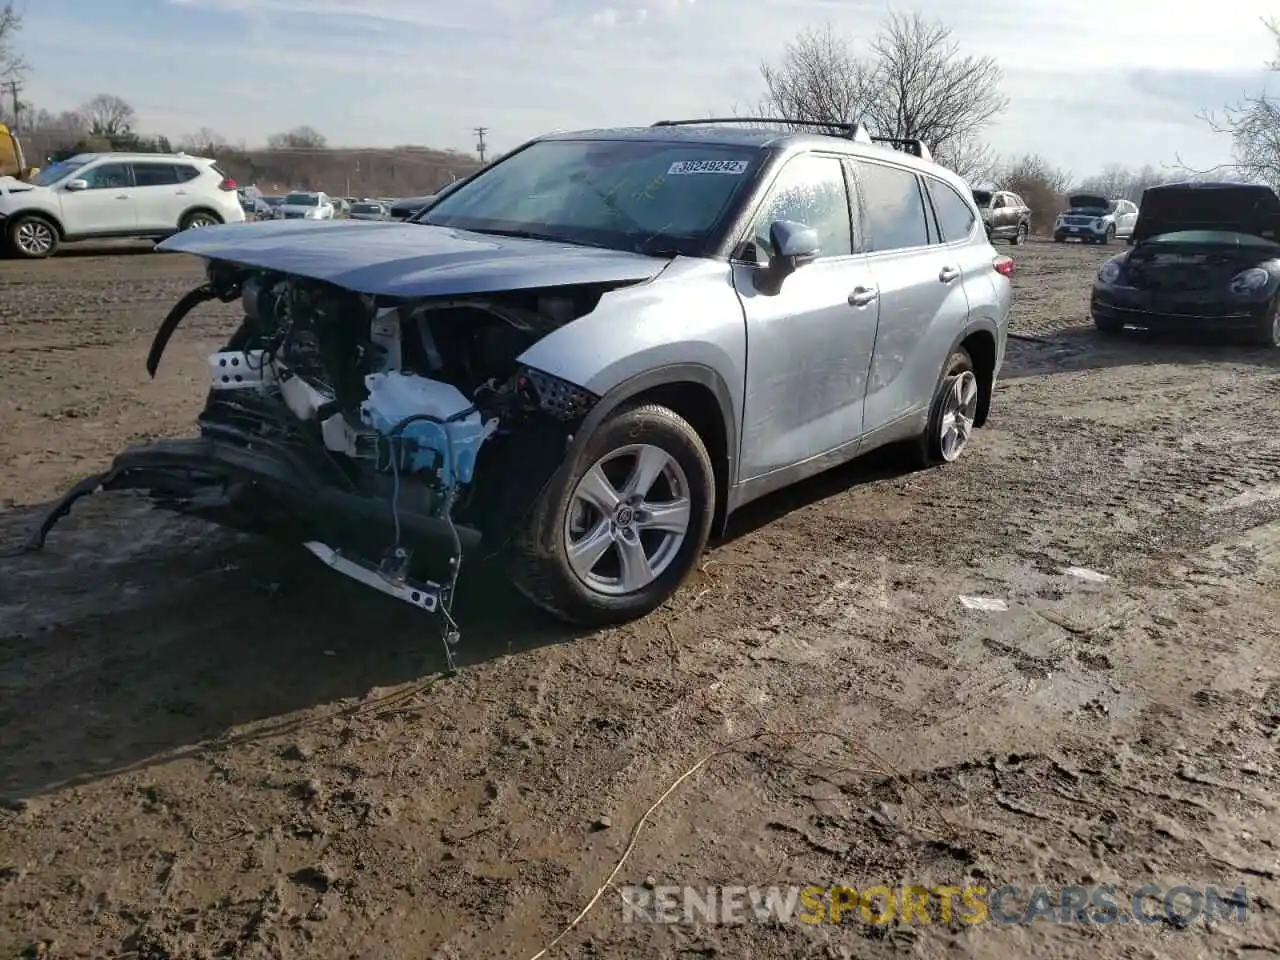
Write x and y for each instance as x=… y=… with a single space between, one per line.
x=1084 y=573
x=983 y=603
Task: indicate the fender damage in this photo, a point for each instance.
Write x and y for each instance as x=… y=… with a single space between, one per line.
x=390 y=434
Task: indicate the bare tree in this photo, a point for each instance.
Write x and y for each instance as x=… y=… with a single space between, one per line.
x=974 y=161
x=926 y=88
x=109 y=116
x=915 y=83
x=1253 y=124
x=818 y=80
x=1119 y=182
x=12 y=64
x=204 y=142
x=1040 y=184
x=299 y=138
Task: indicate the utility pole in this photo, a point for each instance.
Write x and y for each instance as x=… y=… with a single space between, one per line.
x=14 y=88
x=480 y=144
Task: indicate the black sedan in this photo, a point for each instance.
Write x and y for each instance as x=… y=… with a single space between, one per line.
x=1206 y=256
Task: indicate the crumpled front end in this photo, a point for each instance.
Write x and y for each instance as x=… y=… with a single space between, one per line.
x=388 y=435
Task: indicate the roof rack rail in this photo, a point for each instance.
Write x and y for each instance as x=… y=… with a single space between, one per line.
x=852 y=131
x=911 y=145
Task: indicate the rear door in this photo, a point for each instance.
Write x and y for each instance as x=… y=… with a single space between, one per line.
x=809 y=343
x=158 y=204
x=920 y=275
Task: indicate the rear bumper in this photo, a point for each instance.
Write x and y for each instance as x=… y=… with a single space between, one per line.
x=1186 y=312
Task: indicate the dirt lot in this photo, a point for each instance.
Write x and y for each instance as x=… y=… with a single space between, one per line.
x=213 y=747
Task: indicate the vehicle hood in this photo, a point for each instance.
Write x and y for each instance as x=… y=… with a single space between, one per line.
x=409 y=259
x=1237 y=207
x=1082 y=202
x=14 y=185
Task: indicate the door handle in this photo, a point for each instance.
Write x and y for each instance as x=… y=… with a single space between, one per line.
x=947 y=274
x=862 y=296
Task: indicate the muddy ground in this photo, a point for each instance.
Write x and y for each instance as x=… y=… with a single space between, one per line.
x=214 y=747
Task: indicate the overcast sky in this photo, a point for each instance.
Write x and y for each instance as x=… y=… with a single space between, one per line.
x=1089 y=82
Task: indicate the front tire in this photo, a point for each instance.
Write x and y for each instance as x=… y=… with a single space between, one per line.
x=1108 y=236
x=952 y=413
x=1268 y=333
x=32 y=237
x=617 y=531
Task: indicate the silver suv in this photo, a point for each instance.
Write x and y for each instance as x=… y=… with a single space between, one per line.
x=586 y=357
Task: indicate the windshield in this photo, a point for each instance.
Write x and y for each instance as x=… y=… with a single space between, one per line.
x=52 y=174
x=1213 y=238
x=625 y=194
x=302 y=200
x=982 y=197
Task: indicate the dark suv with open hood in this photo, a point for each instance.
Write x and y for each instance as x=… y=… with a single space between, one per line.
x=1205 y=255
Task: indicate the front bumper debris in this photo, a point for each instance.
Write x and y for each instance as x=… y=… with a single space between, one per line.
x=271 y=491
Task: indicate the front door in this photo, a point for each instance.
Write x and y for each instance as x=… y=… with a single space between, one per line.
x=105 y=207
x=809 y=343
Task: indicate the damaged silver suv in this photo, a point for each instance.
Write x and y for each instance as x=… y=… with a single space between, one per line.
x=584 y=358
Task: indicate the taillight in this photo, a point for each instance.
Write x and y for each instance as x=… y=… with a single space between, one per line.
x=227 y=184
x=1003 y=265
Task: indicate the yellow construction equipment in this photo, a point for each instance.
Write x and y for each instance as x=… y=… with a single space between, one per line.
x=12 y=163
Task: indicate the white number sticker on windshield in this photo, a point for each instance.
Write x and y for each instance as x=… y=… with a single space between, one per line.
x=735 y=167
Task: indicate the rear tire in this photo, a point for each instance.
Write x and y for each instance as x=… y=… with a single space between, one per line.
x=951 y=414
x=596 y=549
x=32 y=237
x=1020 y=237
x=199 y=218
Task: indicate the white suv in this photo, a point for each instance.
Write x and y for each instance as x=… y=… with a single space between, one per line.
x=114 y=195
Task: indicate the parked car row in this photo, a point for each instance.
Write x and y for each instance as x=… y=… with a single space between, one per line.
x=321 y=206
x=1089 y=218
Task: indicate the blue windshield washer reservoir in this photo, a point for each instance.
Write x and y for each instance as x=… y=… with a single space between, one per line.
x=395 y=396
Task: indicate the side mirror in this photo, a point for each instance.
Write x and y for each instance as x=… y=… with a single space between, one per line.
x=794 y=246
x=77 y=184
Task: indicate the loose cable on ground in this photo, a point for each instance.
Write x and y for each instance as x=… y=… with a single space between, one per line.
x=734 y=746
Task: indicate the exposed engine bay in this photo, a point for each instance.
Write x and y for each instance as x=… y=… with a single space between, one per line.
x=389 y=436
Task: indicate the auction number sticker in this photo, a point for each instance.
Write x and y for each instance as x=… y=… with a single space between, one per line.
x=735 y=167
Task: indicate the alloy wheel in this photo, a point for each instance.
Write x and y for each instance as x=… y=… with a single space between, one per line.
x=200 y=220
x=627 y=519
x=34 y=238
x=959 y=409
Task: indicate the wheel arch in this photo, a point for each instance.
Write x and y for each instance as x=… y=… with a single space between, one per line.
x=200 y=208
x=699 y=395
x=45 y=215
x=980 y=342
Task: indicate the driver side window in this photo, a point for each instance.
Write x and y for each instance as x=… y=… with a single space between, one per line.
x=810 y=190
x=107 y=176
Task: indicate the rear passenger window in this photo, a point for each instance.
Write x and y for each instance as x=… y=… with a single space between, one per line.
x=809 y=190
x=154 y=175
x=955 y=217
x=895 y=214
x=186 y=172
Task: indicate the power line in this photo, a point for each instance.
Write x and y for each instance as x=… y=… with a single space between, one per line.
x=480 y=144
